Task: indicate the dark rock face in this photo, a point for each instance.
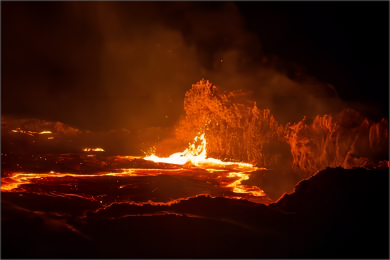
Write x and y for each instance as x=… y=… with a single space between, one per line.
x=340 y=213
x=337 y=213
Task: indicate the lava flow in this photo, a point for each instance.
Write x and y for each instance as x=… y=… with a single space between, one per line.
x=246 y=151
x=196 y=175
x=240 y=171
x=197 y=155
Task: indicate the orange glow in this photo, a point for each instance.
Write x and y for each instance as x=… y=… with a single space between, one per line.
x=227 y=181
x=45 y=132
x=239 y=188
x=225 y=178
x=18 y=130
x=93 y=150
x=197 y=155
x=17 y=179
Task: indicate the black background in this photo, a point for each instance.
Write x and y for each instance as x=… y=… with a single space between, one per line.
x=344 y=43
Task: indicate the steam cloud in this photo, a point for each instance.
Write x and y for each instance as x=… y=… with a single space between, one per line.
x=110 y=65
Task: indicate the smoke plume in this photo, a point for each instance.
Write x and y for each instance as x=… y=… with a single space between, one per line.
x=111 y=65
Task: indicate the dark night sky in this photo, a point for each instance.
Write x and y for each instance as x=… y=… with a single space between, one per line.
x=109 y=65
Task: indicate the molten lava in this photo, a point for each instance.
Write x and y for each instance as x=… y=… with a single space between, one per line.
x=242 y=143
x=210 y=176
x=197 y=155
x=93 y=150
x=18 y=130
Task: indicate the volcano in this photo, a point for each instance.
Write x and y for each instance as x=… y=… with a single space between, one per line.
x=280 y=198
x=194 y=130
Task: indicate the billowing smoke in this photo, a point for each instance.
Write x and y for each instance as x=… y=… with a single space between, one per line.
x=112 y=65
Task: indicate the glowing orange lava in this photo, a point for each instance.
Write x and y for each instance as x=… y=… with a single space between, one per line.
x=198 y=157
x=18 y=130
x=93 y=150
x=212 y=177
